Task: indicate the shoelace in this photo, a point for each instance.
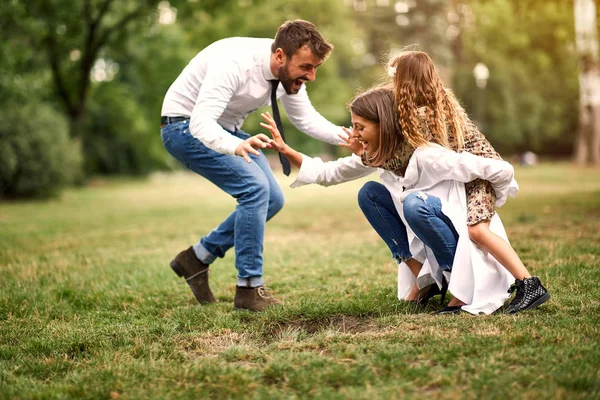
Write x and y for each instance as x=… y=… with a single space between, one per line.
x=520 y=293
x=206 y=271
x=263 y=292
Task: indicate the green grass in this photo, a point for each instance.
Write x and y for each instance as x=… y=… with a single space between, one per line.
x=90 y=309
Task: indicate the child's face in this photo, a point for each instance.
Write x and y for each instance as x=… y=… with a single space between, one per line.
x=367 y=133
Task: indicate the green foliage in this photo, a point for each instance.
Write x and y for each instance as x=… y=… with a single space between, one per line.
x=423 y=24
x=49 y=46
x=37 y=158
x=531 y=98
x=116 y=140
x=147 y=67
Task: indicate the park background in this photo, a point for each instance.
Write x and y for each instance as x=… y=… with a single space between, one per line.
x=83 y=81
x=93 y=208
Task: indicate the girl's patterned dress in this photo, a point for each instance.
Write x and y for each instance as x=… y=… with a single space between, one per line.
x=481 y=197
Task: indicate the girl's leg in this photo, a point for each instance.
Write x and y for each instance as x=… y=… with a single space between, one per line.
x=530 y=291
x=499 y=248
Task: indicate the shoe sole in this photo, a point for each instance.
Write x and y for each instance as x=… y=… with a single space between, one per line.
x=535 y=304
x=539 y=301
x=246 y=309
x=443 y=311
x=252 y=310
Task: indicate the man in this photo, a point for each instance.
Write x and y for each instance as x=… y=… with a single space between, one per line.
x=202 y=113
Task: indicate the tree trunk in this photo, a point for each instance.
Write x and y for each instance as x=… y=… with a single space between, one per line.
x=76 y=126
x=595 y=136
x=587 y=142
x=580 y=153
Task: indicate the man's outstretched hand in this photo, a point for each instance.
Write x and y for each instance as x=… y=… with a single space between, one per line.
x=252 y=145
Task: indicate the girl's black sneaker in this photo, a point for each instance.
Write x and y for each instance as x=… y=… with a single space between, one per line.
x=530 y=294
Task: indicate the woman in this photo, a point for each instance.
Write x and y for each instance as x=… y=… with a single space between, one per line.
x=431 y=113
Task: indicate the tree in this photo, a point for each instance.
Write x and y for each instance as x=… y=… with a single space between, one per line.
x=528 y=46
x=393 y=25
x=73 y=37
x=587 y=142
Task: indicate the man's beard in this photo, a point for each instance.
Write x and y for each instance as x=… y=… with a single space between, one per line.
x=286 y=80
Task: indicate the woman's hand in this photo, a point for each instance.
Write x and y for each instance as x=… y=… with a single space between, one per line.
x=277 y=142
x=251 y=146
x=351 y=142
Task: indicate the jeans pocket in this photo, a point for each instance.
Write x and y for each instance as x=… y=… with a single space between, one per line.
x=167 y=143
x=172 y=142
x=167 y=129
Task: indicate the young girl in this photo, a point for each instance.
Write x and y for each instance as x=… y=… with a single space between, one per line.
x=429 y=200
x=430 y=113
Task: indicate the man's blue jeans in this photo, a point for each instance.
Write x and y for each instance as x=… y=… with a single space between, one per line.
x=253 y=185
x=424 y=216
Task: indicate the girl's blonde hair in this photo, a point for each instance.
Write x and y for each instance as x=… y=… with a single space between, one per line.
x=377 y=105
x=416 y=85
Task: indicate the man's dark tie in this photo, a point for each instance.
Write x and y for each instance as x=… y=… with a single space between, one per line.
x=284 y=161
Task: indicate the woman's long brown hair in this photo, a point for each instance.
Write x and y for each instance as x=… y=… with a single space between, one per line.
x=416 y=85
x=377 y=105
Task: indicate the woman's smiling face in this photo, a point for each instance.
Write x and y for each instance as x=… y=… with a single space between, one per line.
x=367 y=133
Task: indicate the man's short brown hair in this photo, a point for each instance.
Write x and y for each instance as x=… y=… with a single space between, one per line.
x=292 y=35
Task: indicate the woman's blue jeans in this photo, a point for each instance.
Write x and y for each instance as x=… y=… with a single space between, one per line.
x=424 y=216
x=259 y=197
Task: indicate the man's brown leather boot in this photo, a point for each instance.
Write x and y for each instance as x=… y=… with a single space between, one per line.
x=187 y=265
x=254 y=299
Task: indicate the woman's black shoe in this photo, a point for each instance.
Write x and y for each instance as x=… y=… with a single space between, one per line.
x=434 y=290
x=449 y=310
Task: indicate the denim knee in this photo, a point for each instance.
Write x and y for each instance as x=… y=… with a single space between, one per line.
x=256 y=190
x=366 y=193
x=415 y=206
x=276 y=201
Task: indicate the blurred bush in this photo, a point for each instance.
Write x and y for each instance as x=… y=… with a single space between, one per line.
x=37 y=158
x=116 y=136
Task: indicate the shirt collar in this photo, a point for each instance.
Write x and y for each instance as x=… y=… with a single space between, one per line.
x=266 y=68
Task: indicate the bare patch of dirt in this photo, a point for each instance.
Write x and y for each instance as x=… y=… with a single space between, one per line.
x=349 y=324
x=213 y=344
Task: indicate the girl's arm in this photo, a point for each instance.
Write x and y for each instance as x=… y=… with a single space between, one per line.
x=314 y=170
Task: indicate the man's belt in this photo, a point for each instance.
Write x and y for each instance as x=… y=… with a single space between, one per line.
x=170 y=120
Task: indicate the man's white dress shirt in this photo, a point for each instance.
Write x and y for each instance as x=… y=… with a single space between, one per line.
x=477 y=278
x=228 y=80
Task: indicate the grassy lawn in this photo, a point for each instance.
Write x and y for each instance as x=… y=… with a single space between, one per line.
x=89 y=307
